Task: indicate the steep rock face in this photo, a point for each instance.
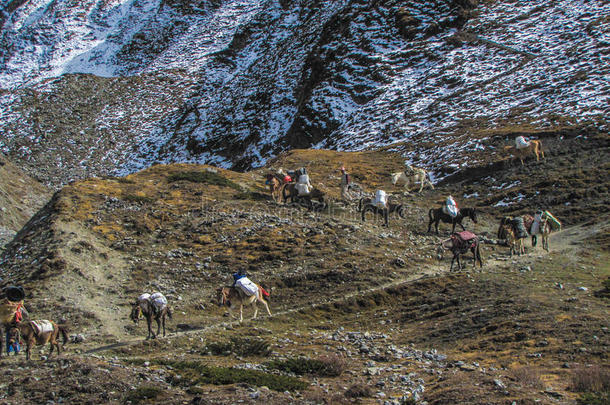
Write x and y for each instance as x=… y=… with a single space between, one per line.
x=20 y=198
x=234 y=83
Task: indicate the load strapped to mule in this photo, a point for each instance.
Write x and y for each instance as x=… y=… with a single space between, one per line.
x=154 y=303
x=451 y=208
x=303 y=184
x=518 y=225
x=463 y=240
x=521 y=142
x=381 y=199
x=553 y=222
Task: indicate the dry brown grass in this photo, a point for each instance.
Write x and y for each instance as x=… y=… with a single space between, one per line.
x=528 y=376
x=593 y=378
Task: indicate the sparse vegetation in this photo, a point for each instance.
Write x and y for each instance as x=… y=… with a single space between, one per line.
x=139 y=199
x=325 y=366
x=208 y=177
x=193 y=373
x=528 y=376
x=240 y=346
x=359 y=391
x=591 y=379
x=143 y=393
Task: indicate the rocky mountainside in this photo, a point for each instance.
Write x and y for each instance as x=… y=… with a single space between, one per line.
x=20 y=198
x=361 y=312
x=114 y=86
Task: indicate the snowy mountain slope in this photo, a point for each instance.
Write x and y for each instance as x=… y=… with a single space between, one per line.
x=234 y=83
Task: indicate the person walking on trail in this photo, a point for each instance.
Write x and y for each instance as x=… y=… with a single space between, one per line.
x=345 y=183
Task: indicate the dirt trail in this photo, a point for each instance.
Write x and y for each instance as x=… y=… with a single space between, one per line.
x=562 y=241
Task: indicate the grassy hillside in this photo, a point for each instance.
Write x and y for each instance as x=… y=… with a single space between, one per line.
x=361 y=313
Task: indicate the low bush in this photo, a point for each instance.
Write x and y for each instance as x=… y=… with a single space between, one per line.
x=325 y=366
x=359 y=391
x=142 y=393
x=207 y=177
x=528 y=376
x=196 y=373
x=252 y=195
x=240 y=346
x=591 y=379
x=139 y=199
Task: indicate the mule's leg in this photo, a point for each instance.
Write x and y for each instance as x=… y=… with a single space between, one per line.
x=163 y=321
x=28 y=348
x=158 y=320
x=266 y=306
x=151 y=335
x=241 y=312
x=255 y=309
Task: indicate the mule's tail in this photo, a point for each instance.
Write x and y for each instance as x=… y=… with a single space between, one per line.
x=169 y=313
x=479 y=255
x=430 y=214
x=64 y=334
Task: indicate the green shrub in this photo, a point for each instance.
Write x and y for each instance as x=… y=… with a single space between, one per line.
x=139 y=198
x=326 y=366
x=252 y=195
x=594 y=399
x=194 y=373
x=207 y=177
x=359 y=391
x=240 y=346
x=143 y=392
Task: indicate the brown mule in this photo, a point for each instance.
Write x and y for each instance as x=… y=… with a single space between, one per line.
x=29 y=332
x=137 y=311
x=535 y=147
x=232 y=295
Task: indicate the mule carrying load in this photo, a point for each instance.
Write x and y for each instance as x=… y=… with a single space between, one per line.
x=518 y=225
x=303 y=185
x=154 y=303
x=246 y=285
x=381 y=199
x=151 y=306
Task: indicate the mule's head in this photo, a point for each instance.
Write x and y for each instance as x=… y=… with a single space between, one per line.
x=136 y=313
x=473 y=215
x=401 y=210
